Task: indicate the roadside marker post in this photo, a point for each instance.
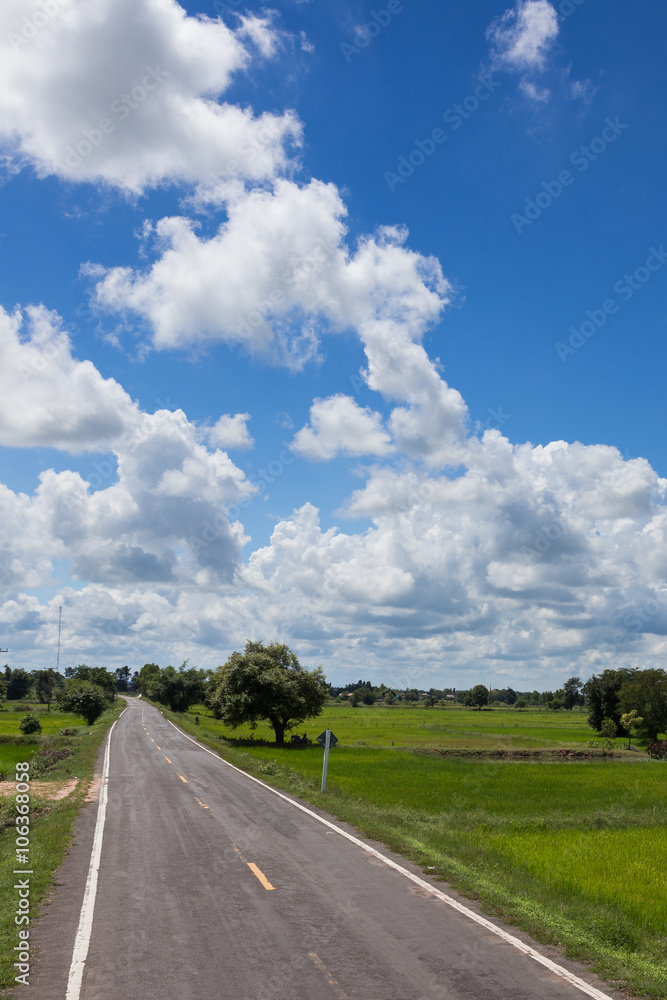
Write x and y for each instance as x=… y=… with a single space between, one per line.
x=326 y=740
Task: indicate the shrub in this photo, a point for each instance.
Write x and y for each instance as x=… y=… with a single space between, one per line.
x=658 y=749
x=86 y=699
x=30 y=724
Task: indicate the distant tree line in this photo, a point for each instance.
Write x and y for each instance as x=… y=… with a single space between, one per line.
x=267 y=681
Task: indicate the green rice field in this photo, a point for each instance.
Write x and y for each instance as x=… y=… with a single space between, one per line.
x=15 y=747
x=454 y=726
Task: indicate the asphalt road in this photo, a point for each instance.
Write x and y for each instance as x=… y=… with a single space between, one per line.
x=212 y=887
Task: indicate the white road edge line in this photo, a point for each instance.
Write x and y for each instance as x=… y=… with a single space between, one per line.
x=521 y=946
x=82 y=940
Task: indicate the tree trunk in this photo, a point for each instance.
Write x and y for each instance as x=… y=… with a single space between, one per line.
x=278 y=728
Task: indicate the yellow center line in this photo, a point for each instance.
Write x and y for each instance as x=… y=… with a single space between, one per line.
x=159 y=748
x=332 y=982
x=255 y=870
x=182 y=778
x=202 y=804
x=167 y=759
x=260 y=875
x=152 y=740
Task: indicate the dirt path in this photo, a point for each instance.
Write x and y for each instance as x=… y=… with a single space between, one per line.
x=43 y=789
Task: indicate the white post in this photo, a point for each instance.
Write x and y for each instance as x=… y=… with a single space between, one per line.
x=327 y=740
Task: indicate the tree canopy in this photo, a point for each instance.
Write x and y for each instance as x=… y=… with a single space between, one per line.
x=47 y=682
x=616 y=692
x=18 y=683
x=267 y=682
x=84 y=698
x=95 y=675
x=176 y=688
x=122 y=678
x=646 y=692
x=572 y=693
x=148 y=673
x=602 y=691
x=478 y=697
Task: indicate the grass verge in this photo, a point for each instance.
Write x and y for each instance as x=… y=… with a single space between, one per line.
x=571 y=851
x=55 y=758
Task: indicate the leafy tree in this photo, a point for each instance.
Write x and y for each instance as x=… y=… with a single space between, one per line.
x=631 y=721
x=646 y=692
x=608 y=728
x=478 y=697
x=96 y=675
x=146 y=676
x=84 y=698
x=355 y=700
x=178 y=688
x=267 y=682
x=556 y=703
x=46 y=683
x=390 y=698
x=507 y=696
x=19 y=683
x=3 y=689
x=546 y=697
x=122 y=678
x=30 y=724
x=368 y=697
x=572 y=693
x=521 y=703
x=602 y=696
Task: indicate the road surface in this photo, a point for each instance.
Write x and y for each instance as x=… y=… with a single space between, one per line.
x=212 y=887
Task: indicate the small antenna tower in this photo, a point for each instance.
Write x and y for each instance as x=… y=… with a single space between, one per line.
x=60 y=621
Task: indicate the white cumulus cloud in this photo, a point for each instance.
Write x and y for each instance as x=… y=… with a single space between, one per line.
x=338 y=425
x=277 y=275
x=50 y=399
x=127 y=92
x=231 y=431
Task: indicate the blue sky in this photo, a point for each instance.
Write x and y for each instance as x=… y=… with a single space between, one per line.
x=339 y=324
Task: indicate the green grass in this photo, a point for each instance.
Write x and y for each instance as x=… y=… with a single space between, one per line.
x=12 y=753
x=15 y=747
x=451 y=727
x=573 y=852
x=13 y=711
x=52 y=823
